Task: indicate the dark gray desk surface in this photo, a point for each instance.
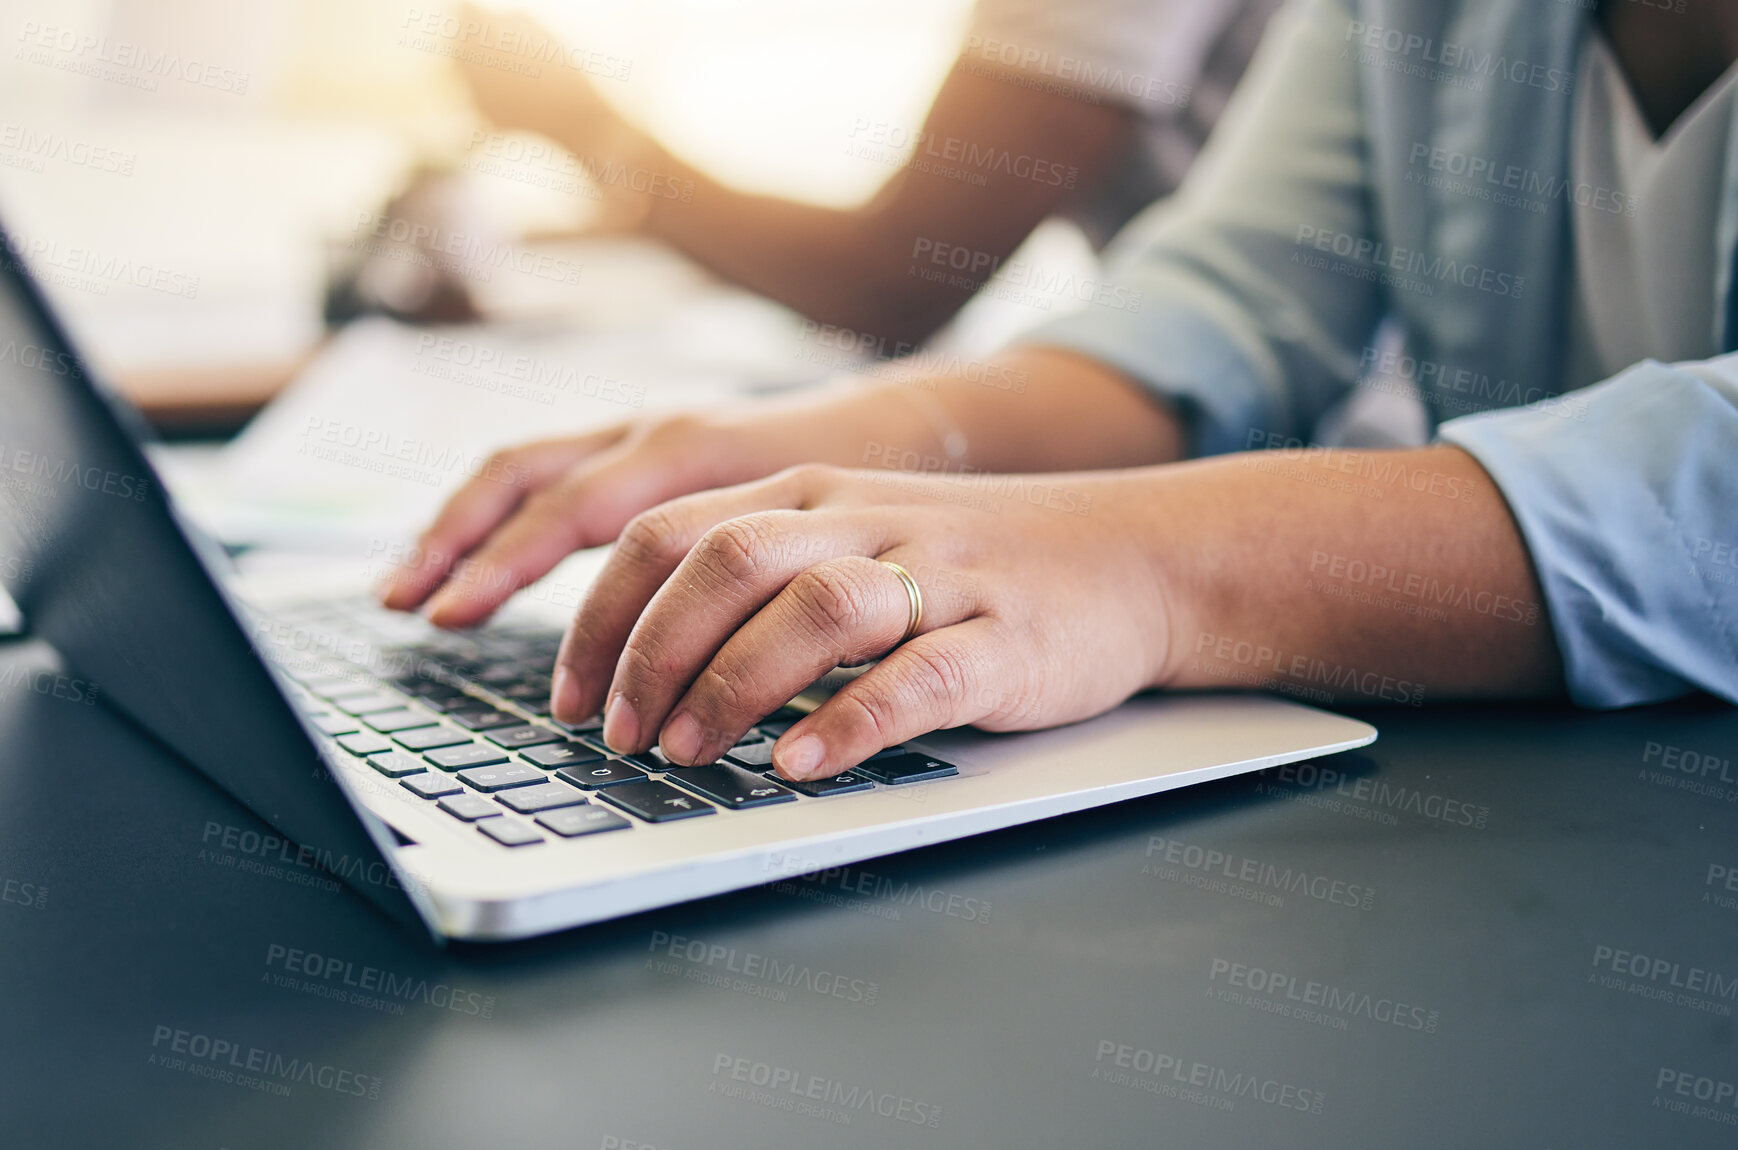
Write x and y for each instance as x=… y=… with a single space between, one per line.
x=1468 y=1002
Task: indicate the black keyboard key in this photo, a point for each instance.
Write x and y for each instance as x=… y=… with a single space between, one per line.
x=731 y=787
x=490 y=720
x=427 y=687
x=430 y=785
x=584 y=727
x=369 y=704
x=655 y=802
x=780 y=721
x=652 y=760
x=907 y=768
x=472 y=755
x=548 y=796
x=562 y=754
x=386 y=722
x=430 y=738
x=336 y=725
x=446 y=704
x=469 y=807
x=755 y=756
x=364 y=743
x=594 y=740
x=571 y=822
x=397 y=764
x=606 y=773
x=316 y=678
x=837 y=785
x=341 y=687
x=514 y=738
x=510 y=832
x=499 y=778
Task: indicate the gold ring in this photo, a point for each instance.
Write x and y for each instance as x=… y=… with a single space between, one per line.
x=910 y=590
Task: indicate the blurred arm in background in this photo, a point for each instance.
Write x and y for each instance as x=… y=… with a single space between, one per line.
x=1084 y=109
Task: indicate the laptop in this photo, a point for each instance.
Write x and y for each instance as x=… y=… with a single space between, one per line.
x=422 y=767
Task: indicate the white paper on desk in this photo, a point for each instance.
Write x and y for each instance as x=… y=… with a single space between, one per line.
x=389 y=420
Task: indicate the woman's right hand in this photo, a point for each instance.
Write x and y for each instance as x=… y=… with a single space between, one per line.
x=532 y=505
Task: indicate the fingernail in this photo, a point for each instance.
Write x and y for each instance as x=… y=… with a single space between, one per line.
x=802 y=759
x=681 y=740
x=564 y=696
x=621 y=727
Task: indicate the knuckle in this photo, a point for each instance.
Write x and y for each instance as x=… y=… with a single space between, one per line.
x=506 y=468
x=868 y=716
x=832 y=598
x=647 y=660
x=812 y=476
x=727 y=692
x=738 y=550
x=941 y=674
x=649 y=539
x=669 y=431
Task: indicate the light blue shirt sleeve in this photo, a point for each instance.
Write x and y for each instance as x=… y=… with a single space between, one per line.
x=1627 y=496
x=1234 y=327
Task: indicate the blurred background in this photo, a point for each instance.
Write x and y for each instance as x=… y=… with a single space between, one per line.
x=182 y=174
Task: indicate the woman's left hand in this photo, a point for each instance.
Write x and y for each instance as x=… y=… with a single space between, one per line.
x=1041 y=605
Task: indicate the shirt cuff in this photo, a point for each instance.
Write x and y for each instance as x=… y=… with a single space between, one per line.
x=1624 y=494
x=1180 y=354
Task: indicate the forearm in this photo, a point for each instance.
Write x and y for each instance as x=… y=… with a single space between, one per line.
x=1027 y=410
x=843 y=267
x=1394 y=576
x=858 y=268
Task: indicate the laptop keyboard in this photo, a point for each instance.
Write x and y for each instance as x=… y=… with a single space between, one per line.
x=462 y=722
